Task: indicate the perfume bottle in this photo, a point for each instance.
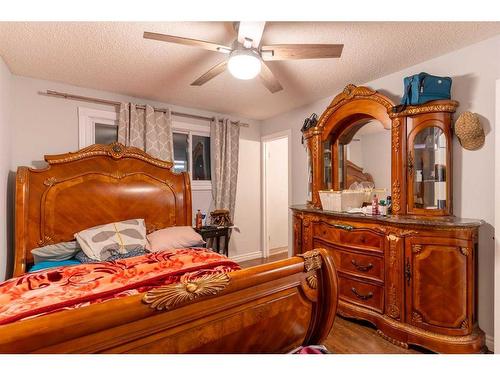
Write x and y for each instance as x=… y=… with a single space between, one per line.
x=375 y=210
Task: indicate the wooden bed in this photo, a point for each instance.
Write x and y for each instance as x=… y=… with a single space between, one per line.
x=270 y=308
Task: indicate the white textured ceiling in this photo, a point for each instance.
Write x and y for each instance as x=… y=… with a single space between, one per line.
x=113 y=56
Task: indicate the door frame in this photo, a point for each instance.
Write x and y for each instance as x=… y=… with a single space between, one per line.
x=87 y=118
x=496 y=306
x=264 y=141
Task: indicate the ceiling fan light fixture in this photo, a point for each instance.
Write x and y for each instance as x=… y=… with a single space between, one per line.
x=244 y=64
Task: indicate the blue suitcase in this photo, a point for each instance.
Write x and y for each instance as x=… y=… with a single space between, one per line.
x=422 y=88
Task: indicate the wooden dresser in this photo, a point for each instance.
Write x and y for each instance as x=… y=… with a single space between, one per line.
x=412 y=274
x=413 y=278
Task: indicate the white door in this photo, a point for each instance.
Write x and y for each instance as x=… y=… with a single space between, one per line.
x=276 y=195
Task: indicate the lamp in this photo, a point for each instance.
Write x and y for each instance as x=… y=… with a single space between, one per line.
x=244 y=63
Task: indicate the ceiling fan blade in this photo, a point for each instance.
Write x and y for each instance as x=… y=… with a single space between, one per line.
x=252 y=31
x=213 y=72
x=188 y=42
x=269 y=80
x=300 y=51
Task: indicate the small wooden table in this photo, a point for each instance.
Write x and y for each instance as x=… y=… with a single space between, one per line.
x=209 y=233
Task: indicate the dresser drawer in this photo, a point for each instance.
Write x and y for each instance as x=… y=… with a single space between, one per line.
x=347 y=235
x=360 y=293
x=359 y=264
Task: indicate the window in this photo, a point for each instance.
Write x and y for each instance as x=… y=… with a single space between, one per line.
x=105 y=133
x=201 y=158
x=192 y=154
x=181 y=152
x=96 y=126
x=191 y=143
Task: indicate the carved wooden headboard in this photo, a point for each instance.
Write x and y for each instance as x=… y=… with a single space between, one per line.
x=97 y=185
x=354 y=173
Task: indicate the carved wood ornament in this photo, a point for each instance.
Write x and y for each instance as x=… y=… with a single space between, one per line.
x=416 y=249
x=312 y=262
x=396 y=197
x=170 y=296
x=115 y=150
x=416 y=317
x=396 y=124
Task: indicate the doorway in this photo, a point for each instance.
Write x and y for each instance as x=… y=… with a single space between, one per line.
x=276 y=193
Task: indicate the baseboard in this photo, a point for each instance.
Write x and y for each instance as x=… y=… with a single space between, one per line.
x=247 y=256
x=490 y=343
x=278 y=250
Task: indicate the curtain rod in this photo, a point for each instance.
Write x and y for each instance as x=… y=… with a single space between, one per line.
x=65 y=95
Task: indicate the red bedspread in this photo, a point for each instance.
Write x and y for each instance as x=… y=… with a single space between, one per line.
x=67 y=287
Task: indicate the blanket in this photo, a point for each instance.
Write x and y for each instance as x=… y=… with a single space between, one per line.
x=68 y=287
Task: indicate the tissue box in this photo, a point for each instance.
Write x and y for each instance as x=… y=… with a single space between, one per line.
x=352 y=199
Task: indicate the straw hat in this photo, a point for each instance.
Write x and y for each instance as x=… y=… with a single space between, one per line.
x=469 y=131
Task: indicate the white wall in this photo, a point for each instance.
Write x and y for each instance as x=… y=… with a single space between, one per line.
x=277 y=192
x=5 y=125
x=375 y=161
x=474 y=70
x=47 y=125
x=354 y=152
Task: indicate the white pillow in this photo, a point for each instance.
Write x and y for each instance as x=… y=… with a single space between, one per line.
x=56 y=252
x=104 y=241
x=173 y=238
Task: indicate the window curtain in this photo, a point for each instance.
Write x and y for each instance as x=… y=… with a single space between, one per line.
x=146 y=129
x=224 y=143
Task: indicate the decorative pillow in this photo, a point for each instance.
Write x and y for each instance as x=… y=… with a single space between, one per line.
x=103 y=241
x=83 y=258
x=56 y=252
x=173 y=238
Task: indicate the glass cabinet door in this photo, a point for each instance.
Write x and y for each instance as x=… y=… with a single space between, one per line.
x=427 y=167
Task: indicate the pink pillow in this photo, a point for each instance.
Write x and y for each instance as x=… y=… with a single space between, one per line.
x=173 y=238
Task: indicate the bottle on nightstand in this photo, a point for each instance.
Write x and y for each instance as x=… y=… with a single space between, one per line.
x=199 y=219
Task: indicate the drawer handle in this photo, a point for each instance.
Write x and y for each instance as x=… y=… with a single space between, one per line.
x=343 y=226
x=361 y=267
x=364 y=297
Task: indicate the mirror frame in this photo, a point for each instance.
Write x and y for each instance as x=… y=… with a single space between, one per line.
x=352 y=105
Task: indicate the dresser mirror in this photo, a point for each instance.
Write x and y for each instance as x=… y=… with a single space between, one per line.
x=361 y=153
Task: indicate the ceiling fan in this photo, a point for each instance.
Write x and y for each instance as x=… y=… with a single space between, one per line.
x=247 y=57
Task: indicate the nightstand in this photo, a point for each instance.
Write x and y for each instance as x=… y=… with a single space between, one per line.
x=209 y=233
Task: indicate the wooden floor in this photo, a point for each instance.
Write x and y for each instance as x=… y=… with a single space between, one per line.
x=353 y=337
x=256 y=262
x=349 y=337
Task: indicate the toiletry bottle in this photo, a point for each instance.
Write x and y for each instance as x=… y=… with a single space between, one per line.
x=199 y=220
x=375 y=205
x=389 y=205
